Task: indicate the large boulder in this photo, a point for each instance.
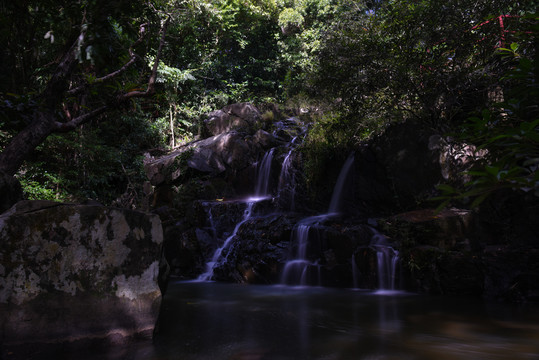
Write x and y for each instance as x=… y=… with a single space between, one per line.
x=234 y=141
x=71 y=272
x=232 y=117
x=231 y=150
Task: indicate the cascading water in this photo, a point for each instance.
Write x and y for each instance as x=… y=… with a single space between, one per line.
x=287 y=183
x=387 y=261
x=296 y=271
x=300 y=270
x=336 y=200
x=213 y=229
x=261 y=193
x=210 y=265
x=263 y=175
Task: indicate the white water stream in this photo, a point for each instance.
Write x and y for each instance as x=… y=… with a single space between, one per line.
x=387 y=261
x=300 y=270
x=261 y=193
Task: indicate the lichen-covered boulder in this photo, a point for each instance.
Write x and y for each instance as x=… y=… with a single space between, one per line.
x=71 y=272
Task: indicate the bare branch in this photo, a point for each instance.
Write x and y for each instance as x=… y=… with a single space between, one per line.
x=79 y=120
x=153 y=77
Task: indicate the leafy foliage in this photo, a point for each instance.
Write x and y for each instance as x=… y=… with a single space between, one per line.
x=509 y=132
x=364 y=64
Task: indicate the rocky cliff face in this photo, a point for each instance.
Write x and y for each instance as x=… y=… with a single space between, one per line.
x=386 y=192
x=70 y=272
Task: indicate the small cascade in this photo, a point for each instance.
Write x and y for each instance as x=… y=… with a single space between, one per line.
x=300 y=270
x=335 y=205
x=213 y=228
x=287 y=180
x=263 y=175
x=387 y=262
x=210 y=265
x=261 y=193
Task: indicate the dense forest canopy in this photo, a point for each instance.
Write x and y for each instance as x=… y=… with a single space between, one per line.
x=87 y=86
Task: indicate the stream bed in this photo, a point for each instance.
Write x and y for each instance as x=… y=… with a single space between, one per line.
x=207 y=320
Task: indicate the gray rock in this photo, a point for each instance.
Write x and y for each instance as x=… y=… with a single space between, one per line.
x=217 y=153
x=232 y=117
x=70 y=272
x=265 y=139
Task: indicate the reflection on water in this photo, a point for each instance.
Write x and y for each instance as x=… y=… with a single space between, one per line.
x=212 y=321
x=222 y=321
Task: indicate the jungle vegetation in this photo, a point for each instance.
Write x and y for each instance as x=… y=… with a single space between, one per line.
x=89 y=85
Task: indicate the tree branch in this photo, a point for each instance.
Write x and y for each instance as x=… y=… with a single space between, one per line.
x=153 y=77
x=79 y=120
x=58 y=84
x=113 y=74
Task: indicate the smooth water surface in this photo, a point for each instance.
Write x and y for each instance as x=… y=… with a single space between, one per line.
x=202 y=321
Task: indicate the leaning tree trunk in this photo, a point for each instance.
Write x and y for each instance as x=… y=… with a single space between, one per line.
x=45 y=119
x=24 y=143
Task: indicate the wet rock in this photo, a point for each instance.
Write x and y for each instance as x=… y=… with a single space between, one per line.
x=265 y=139
x=448 y=229
x=365 y=260
x=184 y=251
x=258 y=252
x=71 y=272
x=264 y=244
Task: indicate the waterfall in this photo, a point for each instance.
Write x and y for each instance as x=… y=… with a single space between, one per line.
x=287 y=179
x=263 y=175
x=207 y=207
x=261 y=192
x=300 y=270
x=210 y=265
x=336 y=199
x=387 y=261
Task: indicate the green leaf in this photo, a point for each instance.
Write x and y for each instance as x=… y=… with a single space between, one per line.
x=478 y=200
x=442 y=206
x=446 y=188
x=492 y=170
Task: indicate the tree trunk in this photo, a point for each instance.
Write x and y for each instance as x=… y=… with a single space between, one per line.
x=22 y=145
x=45 y=118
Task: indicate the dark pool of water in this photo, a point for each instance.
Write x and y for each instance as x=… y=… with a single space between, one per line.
x=222 y=321
x=213 y=321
